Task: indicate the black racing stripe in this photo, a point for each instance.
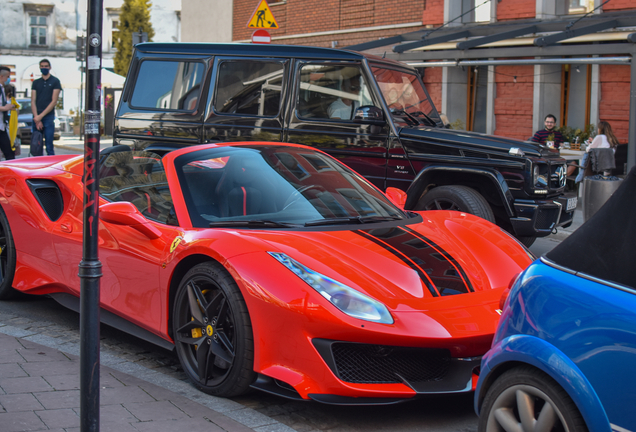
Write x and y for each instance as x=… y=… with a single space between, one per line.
x=446 y=255
x=396 y=252
x=438 y=267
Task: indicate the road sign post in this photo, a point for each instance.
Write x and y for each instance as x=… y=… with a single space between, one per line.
x=90 y=268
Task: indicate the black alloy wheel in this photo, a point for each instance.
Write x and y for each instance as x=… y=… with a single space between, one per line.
x=7 y=259
x=212 y=331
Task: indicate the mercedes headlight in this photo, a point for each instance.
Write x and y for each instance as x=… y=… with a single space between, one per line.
x=348 y=300
x=540 y=178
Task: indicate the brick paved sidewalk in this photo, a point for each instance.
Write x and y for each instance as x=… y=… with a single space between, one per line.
x=39 y=390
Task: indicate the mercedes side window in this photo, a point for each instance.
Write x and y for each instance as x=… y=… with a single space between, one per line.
x=249 y=87
x=168 y=85
x=331 y=92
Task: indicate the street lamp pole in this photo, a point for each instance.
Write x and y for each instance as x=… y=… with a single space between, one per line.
x=90 y=268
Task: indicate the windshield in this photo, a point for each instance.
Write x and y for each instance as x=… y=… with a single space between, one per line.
x=405 y=95
x=282 y=185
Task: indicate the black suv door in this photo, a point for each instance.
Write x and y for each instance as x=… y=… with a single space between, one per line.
x=245 y=101
x=321 y=114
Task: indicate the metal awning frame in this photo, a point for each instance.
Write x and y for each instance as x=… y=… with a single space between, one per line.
x=480 y=34
x=545 y=49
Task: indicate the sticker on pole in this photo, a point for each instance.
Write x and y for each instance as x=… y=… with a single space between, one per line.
x=91 y=128
x=261 y=36
x=262 y=17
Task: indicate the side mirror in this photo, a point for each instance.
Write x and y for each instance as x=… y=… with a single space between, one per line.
x=397 y=196
x=369 y=114
x=125 y=213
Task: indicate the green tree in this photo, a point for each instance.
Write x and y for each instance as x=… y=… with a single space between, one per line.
x=135 y=15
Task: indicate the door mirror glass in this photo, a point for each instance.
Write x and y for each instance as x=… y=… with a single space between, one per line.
x=369 y=114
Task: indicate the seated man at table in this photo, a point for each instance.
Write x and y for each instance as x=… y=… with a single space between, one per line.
x=541 y=136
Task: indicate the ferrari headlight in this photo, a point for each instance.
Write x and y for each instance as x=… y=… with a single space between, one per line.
x=347 y=299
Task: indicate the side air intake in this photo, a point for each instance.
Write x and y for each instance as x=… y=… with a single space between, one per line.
x=49 y=196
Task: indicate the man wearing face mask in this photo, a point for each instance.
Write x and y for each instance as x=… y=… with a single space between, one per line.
x=44 y=95
x=5 y=107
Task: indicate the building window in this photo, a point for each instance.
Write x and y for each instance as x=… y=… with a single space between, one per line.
x=569 y=7
x=114 y=33
x=476 y=99
x=576 y=96
x=579 y=6
x=39 y=28
x=480 y=12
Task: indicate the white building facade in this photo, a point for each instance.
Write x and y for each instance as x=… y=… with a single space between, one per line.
x=36 y=29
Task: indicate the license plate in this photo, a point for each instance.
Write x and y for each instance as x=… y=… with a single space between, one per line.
x=571 y=203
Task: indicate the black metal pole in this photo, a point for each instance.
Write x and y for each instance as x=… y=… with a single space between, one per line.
x=90 y=268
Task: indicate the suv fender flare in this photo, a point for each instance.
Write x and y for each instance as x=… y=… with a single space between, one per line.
x=530 y=350
x=426 y=176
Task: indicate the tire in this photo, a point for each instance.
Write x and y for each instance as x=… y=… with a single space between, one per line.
x=214 y=341
x=459 y=198
x=7 y=259
x=523 y=395
x=527 y=241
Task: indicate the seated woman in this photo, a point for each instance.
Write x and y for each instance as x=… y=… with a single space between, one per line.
x=604 y=139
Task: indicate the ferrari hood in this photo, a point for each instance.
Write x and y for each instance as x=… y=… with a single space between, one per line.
x=449 y=254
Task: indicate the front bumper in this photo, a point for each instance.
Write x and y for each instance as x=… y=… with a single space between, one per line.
x=539 y=218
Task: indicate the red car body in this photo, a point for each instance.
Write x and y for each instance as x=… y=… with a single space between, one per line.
x=408 y=265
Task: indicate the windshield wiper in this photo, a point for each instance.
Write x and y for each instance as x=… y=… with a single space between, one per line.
x=420 y=113
x=251 y=224
x=404 y=113
x=351 y=220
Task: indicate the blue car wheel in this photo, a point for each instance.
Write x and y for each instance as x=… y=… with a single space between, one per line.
x=525 y=399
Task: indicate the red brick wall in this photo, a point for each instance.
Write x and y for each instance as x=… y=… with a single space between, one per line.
x=433 y=12
x=432 y=78
x=619 y=5
x=513 y=103
x=516 y=9
x=302 y=16
x=614 y=104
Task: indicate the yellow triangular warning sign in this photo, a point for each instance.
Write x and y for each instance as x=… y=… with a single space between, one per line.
x=262 y=17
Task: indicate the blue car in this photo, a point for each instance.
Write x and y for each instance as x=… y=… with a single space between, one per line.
x=564 y=354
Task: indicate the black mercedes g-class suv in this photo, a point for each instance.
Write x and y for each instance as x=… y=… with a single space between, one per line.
x=373 y=114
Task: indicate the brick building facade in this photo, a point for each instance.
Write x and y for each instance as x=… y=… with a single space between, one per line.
x=516 y=97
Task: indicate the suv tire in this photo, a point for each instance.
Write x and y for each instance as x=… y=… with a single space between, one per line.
x=459 y=198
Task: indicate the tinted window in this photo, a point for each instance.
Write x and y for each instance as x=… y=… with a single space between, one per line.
x=139 y=178
x=249 y=87
x=168 y=85
x=275 y=184
x=404 y=92
x=328 y=91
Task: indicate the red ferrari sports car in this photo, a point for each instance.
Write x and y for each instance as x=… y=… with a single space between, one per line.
x=266 y=265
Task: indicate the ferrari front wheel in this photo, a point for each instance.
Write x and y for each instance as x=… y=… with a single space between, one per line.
x=212 y=331
x=7 y=258
x=525 y=399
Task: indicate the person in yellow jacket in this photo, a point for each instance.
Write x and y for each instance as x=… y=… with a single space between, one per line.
x=5 y=106
x=13 y=120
